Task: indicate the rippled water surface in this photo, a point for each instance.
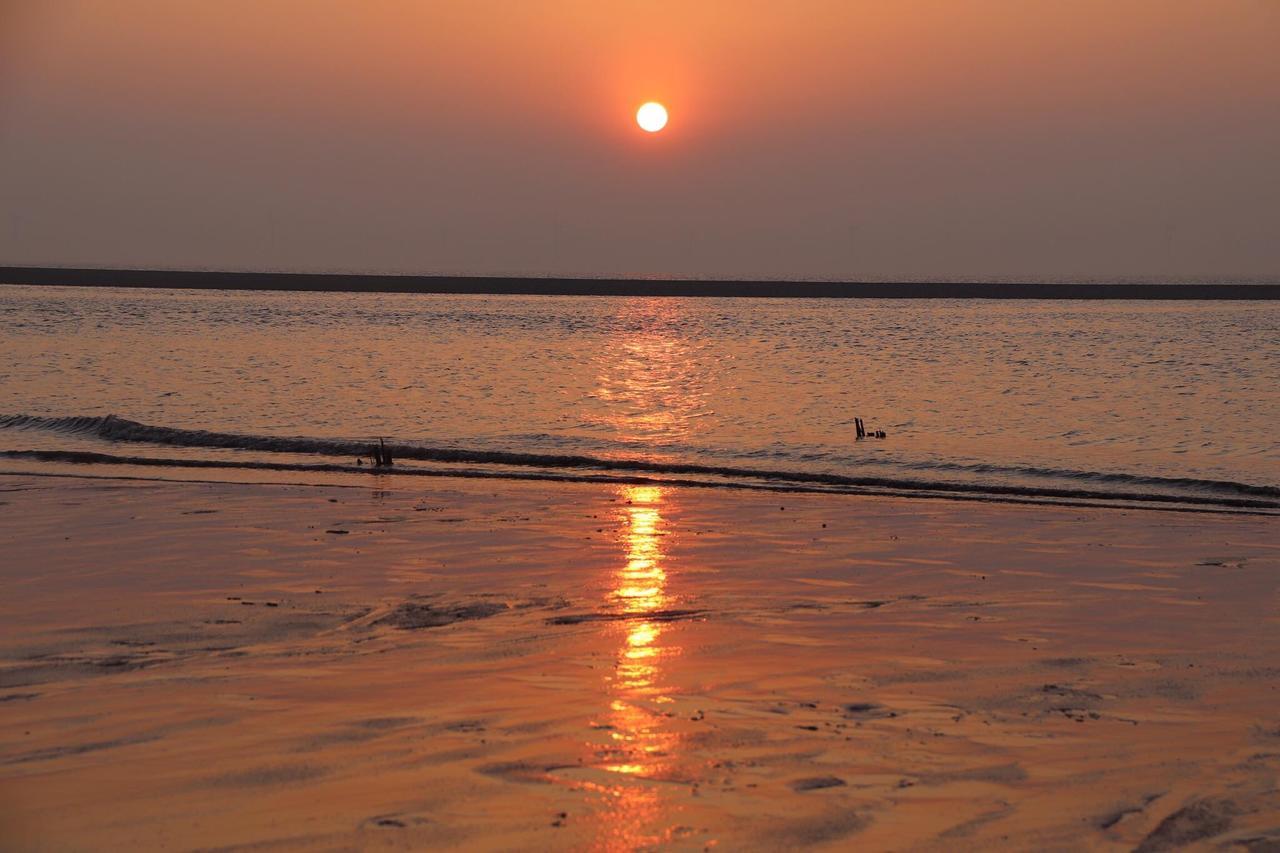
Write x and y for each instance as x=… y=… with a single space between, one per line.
x=1118 y=395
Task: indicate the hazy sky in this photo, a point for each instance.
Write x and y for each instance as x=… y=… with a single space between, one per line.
x=862 y=139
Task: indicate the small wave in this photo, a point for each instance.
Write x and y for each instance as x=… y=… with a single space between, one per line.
x=1125 y=487
x=1047 y=497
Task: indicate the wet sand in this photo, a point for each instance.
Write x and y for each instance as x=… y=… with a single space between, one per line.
x=522 y=666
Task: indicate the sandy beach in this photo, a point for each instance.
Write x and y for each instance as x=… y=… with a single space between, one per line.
x=498 y=665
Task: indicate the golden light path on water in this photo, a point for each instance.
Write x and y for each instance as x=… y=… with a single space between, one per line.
x=655 y=383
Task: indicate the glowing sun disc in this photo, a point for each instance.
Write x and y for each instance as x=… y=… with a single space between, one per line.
x=652 y=117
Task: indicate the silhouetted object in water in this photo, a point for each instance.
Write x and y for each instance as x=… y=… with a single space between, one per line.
x=862 y=431
x=381 y=456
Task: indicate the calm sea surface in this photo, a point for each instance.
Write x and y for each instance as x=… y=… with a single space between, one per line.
x=1018 y=399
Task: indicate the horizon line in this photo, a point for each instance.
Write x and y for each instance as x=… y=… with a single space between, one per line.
x=502 y=285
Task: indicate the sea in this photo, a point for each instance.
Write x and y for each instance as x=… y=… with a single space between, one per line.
x=1158 y=404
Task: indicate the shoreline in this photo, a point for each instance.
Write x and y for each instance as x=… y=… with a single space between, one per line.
x=518 y=665
x=1149 y=503
x=320 y=457
x=563 y=286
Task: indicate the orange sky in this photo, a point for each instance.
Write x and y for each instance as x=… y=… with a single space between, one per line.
x=838 y=138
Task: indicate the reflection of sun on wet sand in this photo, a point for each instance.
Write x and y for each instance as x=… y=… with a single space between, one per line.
x=641 y=743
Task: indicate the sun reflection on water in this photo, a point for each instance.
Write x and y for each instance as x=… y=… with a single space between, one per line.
x=654 y=383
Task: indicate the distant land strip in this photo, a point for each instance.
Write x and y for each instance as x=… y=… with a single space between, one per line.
x=375 y=283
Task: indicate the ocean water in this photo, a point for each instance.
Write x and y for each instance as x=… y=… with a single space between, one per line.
x=1168 y=403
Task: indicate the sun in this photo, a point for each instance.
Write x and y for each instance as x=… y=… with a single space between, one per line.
x=652 y=117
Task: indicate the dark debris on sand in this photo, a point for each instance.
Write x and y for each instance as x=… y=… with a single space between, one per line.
x=816 y=783
x=413 y=615
x=1195 y=822
x=866 y=711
